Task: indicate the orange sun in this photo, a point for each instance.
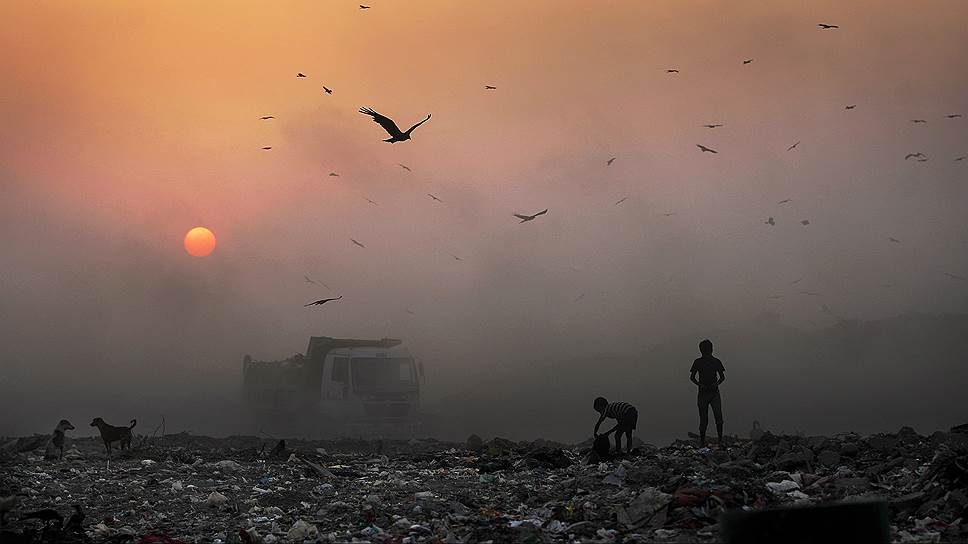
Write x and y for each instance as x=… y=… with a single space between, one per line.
x=199 y=242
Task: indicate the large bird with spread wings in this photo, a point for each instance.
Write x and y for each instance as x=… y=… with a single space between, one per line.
x=525 y=218
x=396 y=135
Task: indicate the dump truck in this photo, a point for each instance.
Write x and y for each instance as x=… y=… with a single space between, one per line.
x=340 y=386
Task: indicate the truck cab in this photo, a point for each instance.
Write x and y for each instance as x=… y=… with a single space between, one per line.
x=349 y=384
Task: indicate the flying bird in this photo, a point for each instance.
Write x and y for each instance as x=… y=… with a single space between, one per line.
x=953 y=115
x=388 y=125
x=796 y=281
x=623 y=199
x=893 y=239
x=455 y=257
x=961 y=158
x=357 y=243
x=916 y=121
x=805 y=222
x=334 y=174
x=770 y=221
x=713 y=126
x=267 y=148
x=490 y=87
x=327 y=90
x=672 y=71
x=435 y=198
x=793 y=146
x=668 y=214
x=850 y=107
x=785 y=200
x=370 y=201
x=610 y=161
x=705 y=149
x=954 y=276
x=405 y=167
x=917 y=155
x=364 y=7
x=825 y=26
x=322 y=301
x=747 y=61
x=300 y=74
x=314 y=282
x=266 y=117
x=526 y=218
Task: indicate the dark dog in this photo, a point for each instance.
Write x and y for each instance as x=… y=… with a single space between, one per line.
x=55 y=447
x=110 y=433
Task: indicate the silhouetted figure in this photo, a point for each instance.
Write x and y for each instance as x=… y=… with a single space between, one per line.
x=625 y=415
x=319 y=302
x=525 y=218
x=327 y=90
x=708 y=372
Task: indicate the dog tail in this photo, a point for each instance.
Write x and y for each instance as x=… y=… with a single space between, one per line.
x=133 y=423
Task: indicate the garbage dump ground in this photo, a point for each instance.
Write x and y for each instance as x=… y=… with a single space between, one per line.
x=186 y=488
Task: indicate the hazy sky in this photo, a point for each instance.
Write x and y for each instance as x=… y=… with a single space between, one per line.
x=127 y=123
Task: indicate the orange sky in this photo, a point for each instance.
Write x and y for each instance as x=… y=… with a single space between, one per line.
x=126 y=123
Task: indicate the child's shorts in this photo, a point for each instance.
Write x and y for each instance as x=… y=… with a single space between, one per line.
x=628 y=421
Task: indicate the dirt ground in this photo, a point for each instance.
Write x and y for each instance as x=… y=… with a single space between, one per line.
x=239 y=490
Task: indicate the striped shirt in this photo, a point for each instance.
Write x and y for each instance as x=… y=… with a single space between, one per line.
x=617 y=410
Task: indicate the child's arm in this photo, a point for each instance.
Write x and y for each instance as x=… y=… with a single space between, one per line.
x=599 y=424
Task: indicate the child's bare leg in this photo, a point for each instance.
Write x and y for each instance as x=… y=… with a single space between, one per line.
x=618 y=442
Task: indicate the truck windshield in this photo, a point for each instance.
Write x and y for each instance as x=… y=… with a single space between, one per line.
x=382 y=373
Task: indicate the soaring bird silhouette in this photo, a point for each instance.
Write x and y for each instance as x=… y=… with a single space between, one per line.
x=434 y=197
x=267 y=148
x=791 y=148
x=334 y=174
x=825 y=26
x=917 y=155
x=388 y=125
x=322 y=301
x=770 y=221
x=747 y=61
x=705 y=149
x=526 y=218
x=805 y=222
x=672 y=71
x=266 y=117
x=610 y=161
x=327 y=90
x=623 y=199
x=357 y=243
x=405 y=167
x=916 y=121
x=364 y=7
x=961 y=158
x=713 y=126
x=490 y=87
x=455 y=257
x=370 y=201
x=314 y=282
x=953 y=115
x=850 y=107
x=893 y=239
x=785 y=200
x=300 y=74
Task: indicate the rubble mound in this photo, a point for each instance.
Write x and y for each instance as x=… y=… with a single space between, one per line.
x=183 y=488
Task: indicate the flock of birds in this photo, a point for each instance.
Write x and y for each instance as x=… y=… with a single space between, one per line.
x=397 y=135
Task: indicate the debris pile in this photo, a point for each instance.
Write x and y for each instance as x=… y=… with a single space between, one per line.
x=231 y=490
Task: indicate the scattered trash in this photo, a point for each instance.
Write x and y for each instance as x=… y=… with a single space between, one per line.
x=224 y=491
